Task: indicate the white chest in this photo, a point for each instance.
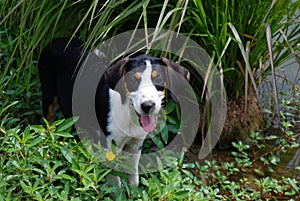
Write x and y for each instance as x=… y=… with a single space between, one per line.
x=122 y=119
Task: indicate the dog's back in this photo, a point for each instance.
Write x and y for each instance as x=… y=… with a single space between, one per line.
x=57 y=67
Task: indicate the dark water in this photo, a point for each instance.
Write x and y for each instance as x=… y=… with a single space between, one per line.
x=289 y=161
x=286 y=167
x=288 y=85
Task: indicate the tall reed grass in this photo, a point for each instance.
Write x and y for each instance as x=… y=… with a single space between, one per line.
x=232 y=32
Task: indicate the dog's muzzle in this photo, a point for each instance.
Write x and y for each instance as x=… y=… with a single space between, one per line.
x=148 y=120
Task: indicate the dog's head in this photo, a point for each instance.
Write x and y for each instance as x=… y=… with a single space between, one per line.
x=143 y=80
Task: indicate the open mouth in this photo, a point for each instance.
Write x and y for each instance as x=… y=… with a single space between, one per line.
x=148 y=122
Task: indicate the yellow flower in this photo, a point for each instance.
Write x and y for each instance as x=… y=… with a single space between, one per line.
x=110 y=156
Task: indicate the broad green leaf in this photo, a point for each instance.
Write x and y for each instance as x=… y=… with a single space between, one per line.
x=67 y=154
x=66 y=124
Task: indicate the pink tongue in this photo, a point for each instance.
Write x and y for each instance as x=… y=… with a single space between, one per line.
x=148 y=122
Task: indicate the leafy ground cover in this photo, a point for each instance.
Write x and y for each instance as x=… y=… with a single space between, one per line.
x=47 y=163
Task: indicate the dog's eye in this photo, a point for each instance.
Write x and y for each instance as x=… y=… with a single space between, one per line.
x=158 y=79
x=159 y=82
x=132 y=81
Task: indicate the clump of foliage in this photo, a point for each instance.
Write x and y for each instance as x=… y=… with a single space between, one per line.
x=234 y=33
x=46 y=163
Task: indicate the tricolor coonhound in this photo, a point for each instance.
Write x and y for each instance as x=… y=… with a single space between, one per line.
x=136 y=101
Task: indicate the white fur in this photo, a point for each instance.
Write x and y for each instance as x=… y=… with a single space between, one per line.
x=122 y=120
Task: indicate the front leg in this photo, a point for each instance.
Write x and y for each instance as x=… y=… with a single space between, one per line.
x=134 y=151
x=120 y=143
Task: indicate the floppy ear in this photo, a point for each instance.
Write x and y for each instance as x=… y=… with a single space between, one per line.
x=114 y=75
x=173 y=79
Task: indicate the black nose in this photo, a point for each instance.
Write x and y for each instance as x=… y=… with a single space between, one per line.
x=147 y=106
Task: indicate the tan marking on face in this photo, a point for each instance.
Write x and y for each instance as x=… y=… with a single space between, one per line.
x=125 y=86
x=137 y=75
x=154 y=74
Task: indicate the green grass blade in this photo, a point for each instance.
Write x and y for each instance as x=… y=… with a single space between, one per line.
x=246 y=59
x=275 y=90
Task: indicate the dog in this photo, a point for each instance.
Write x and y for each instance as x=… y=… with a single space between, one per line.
x=128 y=98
